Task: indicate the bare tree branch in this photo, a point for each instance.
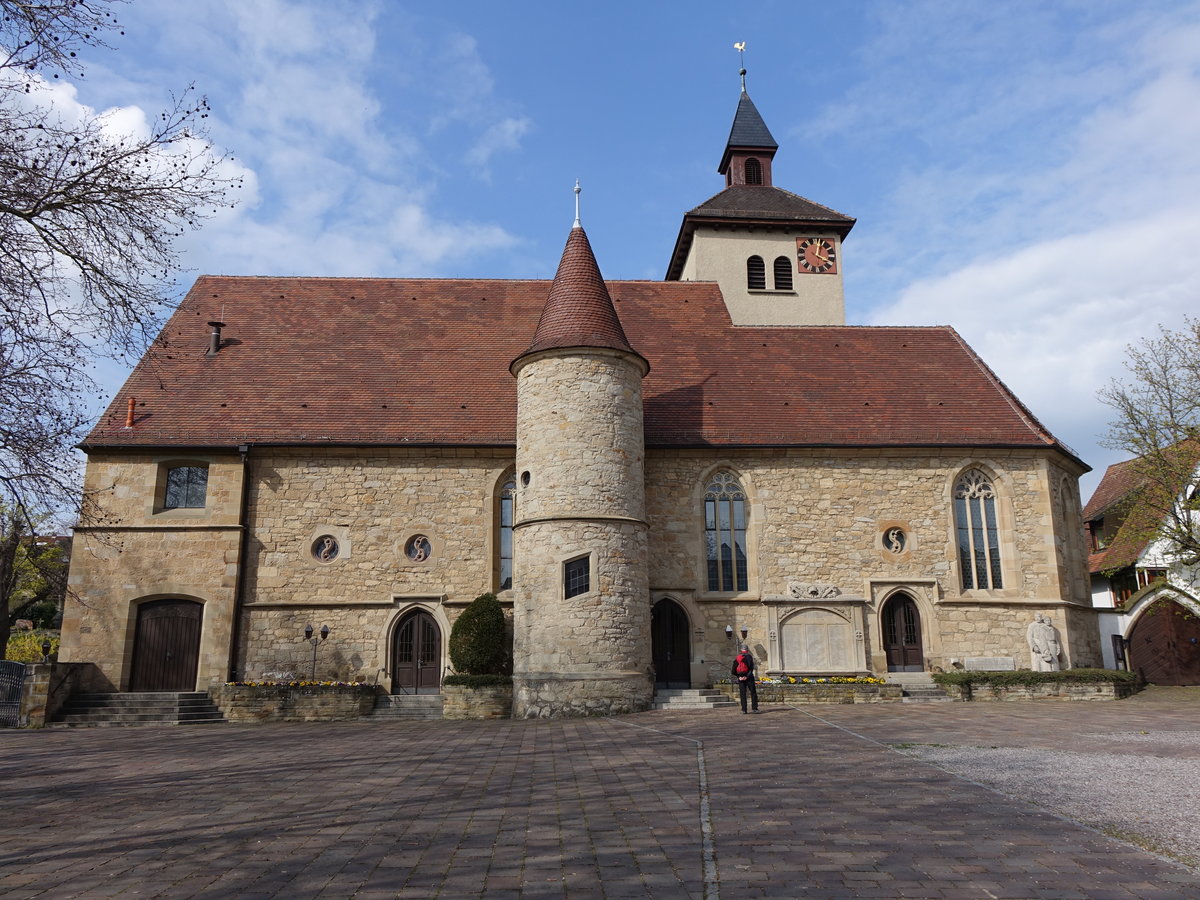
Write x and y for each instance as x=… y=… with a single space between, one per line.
x=1157 y=421
x=89 y=218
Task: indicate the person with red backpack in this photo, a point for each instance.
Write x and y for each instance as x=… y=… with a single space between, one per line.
x=743 y=672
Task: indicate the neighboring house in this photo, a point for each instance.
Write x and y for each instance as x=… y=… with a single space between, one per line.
x=1150 y=619
x=641 y=470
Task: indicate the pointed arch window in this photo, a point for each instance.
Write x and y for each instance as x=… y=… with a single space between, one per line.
x=978 y=534
x=783 y=273
x=754 y=173
x=756 y=274
x=725 y=533
x=506 y=506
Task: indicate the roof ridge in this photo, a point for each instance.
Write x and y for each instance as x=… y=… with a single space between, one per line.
x=1023 y=412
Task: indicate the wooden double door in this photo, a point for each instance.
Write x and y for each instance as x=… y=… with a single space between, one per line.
x=166 y=646
x=1164 y=646
x=902 y=635
x=417 y=655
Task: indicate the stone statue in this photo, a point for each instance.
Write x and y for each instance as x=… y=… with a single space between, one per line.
x=1044 y=647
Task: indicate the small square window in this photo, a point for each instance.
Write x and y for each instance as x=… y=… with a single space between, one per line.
x=186 y=487
x=576 y=577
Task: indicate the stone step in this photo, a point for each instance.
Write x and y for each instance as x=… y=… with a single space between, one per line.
x=407 y=706
x=691 y=698
x=138 y=708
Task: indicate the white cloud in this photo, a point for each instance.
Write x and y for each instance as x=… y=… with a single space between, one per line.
x=1050 y=240
x=503 y=135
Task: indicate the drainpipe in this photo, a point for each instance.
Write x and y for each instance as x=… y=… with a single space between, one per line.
x=239 y=584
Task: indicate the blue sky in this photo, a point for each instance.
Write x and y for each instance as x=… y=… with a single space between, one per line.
x=1024 y=171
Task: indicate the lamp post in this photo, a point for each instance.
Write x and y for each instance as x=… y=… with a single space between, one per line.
x=45 y=650
x=316 y=642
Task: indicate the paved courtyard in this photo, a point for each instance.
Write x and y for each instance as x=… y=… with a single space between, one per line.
x=819 y=801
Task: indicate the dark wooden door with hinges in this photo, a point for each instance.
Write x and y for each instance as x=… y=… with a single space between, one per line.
x=166 y=646
x=670 y=647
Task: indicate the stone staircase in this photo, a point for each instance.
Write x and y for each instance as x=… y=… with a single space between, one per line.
x=919 y=687
x=147 y=708
x=691 y=698
x=406 y=706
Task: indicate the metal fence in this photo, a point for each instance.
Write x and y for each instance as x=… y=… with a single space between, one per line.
x=12 y=676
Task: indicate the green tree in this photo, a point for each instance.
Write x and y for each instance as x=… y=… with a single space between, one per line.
x=1157 y=422
x=479 y=640
x=32 y=571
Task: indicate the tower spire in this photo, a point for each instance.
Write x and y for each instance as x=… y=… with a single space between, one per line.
x=578 y=190
x=740 y=47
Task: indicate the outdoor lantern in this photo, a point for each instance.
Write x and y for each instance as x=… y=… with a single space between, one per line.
x=46 y=650
x=745 y=631
x=729 y=632
x=308 y=633
x=324 y=632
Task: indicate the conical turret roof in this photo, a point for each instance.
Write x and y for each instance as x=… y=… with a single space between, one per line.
x=579 y=311
x=748 y=131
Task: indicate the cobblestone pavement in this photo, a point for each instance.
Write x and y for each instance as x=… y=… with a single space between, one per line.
x=805 y=802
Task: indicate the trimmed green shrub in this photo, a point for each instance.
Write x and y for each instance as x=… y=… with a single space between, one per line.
x=478 y=680
x=479 y=642
x=1027 y=677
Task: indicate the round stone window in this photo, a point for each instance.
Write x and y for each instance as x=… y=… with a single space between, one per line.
x=895 y=540
x=418 y=548
x=325 y=548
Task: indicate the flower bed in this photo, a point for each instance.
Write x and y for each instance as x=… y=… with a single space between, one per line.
x=293 y=701
x=827 y=689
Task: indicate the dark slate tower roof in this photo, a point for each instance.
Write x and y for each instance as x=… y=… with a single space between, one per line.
x=579 y=311
x=749 y=132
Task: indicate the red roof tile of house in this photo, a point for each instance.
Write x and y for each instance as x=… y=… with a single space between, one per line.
x=578 y=311
x=424 y=361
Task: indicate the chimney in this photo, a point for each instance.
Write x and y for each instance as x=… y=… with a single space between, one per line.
x=214 y=339
x=129 y=412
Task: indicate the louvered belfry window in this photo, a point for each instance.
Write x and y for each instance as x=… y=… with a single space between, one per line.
x=753 y=171
x=783 y=273
x=978 y=534
x=725 y=533
x=756 y=274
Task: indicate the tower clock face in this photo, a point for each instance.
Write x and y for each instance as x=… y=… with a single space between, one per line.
x=817 y=255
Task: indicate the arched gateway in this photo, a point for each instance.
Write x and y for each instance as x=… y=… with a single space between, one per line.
x=670 y=646
x=166 y=645
x=902 y=634
x=1164 y=645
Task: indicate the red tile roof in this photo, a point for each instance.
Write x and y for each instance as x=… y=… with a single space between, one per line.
x=423 y=361
x=578 y=311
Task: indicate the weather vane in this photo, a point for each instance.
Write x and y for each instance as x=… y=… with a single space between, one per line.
x=578 y=190
x=740 y=47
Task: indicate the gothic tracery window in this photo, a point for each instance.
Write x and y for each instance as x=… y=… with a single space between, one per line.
x=725 y=533
x=978 y=534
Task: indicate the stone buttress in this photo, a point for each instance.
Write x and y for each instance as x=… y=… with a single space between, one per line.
x=580 y=507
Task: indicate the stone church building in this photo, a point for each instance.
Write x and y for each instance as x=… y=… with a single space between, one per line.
x=643 y=471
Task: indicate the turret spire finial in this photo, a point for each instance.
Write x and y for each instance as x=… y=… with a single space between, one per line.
x=578 y=190
x=740 y=47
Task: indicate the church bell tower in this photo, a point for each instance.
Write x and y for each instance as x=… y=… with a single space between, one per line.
x=776 y=255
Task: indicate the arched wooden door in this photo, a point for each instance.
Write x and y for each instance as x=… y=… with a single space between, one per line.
x=1164 y=645
x=166 y=646
x=902 y=635
x=417 y=655
x=669 y=645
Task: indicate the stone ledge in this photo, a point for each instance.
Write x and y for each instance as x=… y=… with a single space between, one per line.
x=487 y=702
x=1061 y=690
x=820 y=693
x=292 y=703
